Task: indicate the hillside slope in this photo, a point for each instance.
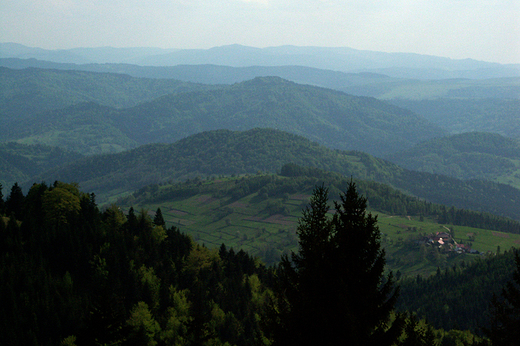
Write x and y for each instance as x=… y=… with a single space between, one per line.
x=27 y=91
x=482 y=113
x=226 y=152
x=473 y=155
x=375 y=84
x=19 y=163
x=329 y=117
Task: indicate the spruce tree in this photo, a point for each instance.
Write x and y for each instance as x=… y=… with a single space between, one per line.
x=1 y=200
x=158 y=219
x=14 y=202
x=333 y=291
x=505 y=312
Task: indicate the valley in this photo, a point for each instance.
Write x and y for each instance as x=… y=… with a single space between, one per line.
x=167 y=190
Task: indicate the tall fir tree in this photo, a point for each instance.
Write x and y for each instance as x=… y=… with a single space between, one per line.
x=159 y=219
x=505 y=312
x=2 y=204
x=333 y=292
x=14 y=202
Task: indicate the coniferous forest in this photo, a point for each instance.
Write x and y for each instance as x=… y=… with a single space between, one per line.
x=272 y=205
x=74 y=274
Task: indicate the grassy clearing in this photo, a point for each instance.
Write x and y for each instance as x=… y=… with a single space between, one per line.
x=266 y=227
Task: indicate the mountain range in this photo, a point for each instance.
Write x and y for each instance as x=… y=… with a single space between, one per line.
x=226 y=152
x=344 y=59
x=330 y=117
x=128 y=119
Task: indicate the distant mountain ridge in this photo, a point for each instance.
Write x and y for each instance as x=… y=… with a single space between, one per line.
x=330 y=117
x=361 y=83
x=35 y=90
x=345 y=59
x=479 y=114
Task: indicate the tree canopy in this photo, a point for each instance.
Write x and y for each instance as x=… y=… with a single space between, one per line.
x=334 y=289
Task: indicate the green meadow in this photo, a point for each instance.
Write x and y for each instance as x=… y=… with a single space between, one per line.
x=265 y=224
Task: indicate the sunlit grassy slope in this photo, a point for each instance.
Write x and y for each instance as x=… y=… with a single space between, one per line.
x=264 y=222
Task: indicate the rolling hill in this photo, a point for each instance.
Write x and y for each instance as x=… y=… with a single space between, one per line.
x=19 y=162
x=259 y=213
x=225 y=152
x=372 y=84
x=329 y=117
x=482 y=114
x=473 y=155
x=332 y=118
x=28 y=91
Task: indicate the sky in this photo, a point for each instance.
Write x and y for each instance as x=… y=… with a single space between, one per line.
x=487 y=30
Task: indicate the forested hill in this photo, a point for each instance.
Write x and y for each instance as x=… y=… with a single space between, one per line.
x=219 y=152
x=473 y=155
x=329 y=117
x=332 y=118
x=490 y=110
x=33 y=90
x=451 y=85
x=20 y=162
x=226 y=152
x=72 y=274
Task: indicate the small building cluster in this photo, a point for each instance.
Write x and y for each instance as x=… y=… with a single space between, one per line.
x=444 y=241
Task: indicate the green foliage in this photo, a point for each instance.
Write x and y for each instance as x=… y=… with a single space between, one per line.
x=84 y=117
x=19 y=162
x=416 y=333
x=487 y=112
x=333 y=288
x=14 y=202
x=268 y=151
x=60 y=203
x=263 y=222
x=142 y=325
x=92 y=277
x=158 y=219
x=466 y=156
x=104 y=277
x=505 y=311
x=30 y=91
x=457 y=296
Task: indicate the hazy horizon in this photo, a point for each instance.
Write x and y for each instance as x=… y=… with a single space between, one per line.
x=485 y=30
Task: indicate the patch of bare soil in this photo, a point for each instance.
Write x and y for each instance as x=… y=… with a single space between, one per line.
x=279 y=219
x=238 y=205
x=206 y=199
x=501 y=235
x=300 y=197
x=178 y=212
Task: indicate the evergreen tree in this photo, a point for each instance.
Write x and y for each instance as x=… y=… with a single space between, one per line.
x=2 y=204
x=158 y=220
x=505 y=312
x=14 y=202
x=333 y=291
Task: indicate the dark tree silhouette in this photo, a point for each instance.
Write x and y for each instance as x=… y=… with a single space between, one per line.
x=14 y=202
x=505 y=312
x=333 y=291
x=158 y=219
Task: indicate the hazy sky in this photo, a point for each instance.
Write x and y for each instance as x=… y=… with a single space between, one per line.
x=486 y=30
